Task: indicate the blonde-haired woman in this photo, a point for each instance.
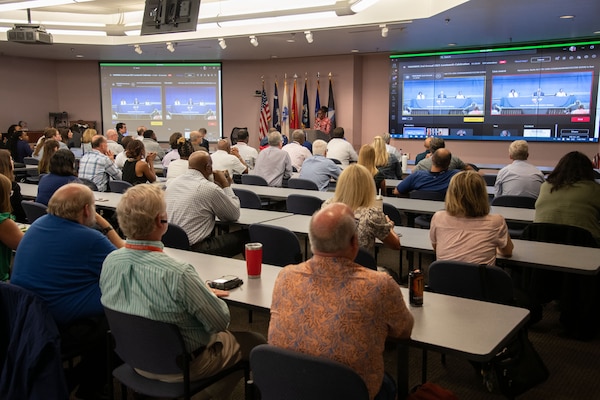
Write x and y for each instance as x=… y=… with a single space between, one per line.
x=465 y=230
x=355 y=188
x=10 y=234
x=366 y=158
x=86 y=140
x=386 y=162
x=50 y=147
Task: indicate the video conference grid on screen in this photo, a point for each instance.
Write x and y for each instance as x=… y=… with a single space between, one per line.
x=539 y=93
x=164 y=97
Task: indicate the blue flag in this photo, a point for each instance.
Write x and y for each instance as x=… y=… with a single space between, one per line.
x=331 y=106
x=305 y=116
x=276 y=111
x=317 y=100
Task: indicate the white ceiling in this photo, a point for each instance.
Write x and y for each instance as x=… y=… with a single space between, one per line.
x=413 y=26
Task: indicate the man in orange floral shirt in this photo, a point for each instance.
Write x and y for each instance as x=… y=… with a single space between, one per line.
x=331 y=307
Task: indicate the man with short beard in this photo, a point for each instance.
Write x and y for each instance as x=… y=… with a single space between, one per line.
x=196 y=198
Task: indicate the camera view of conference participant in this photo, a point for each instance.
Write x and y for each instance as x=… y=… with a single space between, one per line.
x=315 y=303
x=62 y=172
x=295 y=148
x=273 y=164
x=322 y=122
x=139 y=166
x=439 y=143
x=465 y=230
x=340 y=149
x=10 y=234
x=196 y=198
x=570 y=196
x=519 y=178
x=356 y=189
x=152 y=145
x=98 y=164
x=67 y=277
x=435 y=180
x=140 y=279
x=319 y=168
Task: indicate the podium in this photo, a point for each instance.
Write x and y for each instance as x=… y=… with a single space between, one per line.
x=314 y=134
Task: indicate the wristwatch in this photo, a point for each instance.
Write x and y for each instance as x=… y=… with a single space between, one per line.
x=106 y=230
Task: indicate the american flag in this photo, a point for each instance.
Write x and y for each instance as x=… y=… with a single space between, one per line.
x=265 y=115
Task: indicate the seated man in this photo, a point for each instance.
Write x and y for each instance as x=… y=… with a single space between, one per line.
x=426 y=144
x=435 y=180
x=60 y=259
x=141 y=280
x=298 y=153
x=152 y=145
x=228 y=159
x=273 y=164
x=331 y=307
x=438 y=143
x=319 y=168
x=519 y=178
x=248 y=153
x=341 y=149
x=98 y=165
x=194 y=201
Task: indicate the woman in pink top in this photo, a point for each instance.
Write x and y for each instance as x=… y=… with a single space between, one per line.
x=466 y=231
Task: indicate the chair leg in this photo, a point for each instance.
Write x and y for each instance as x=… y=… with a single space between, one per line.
x=424 y=367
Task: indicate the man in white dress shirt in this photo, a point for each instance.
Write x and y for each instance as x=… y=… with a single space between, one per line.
x=340 y=149
x=519 y=178
x=298 y=153
x=112 y=137
x=248 y=153
x=228 y=159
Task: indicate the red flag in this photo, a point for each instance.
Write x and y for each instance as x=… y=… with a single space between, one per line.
x=294 y=120
x=265 y=114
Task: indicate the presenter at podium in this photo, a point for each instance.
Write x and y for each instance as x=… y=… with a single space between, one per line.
x=538 y=93
x=322 y=123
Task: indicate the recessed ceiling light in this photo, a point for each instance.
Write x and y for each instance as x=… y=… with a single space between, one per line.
x=451 y=44
x=354 y=51
x=567 y=17
x=79 y=56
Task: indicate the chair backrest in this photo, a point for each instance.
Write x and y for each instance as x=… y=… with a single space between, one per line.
x=393 y=213
x=365 y=259
x=248 y=199
x=30 y=161
x=286 y=374
x=335 y=160
x=303 y=204
x=248 y=179
x=33 y=210
x=118 y=186
x=149 y=345
x=297 y=183
x=514 y=201
x=472 y=281
x=89 y=184
x=280 y=245
x=490 y=179
x=427 y=195
x=560 y=234
x=176 y=238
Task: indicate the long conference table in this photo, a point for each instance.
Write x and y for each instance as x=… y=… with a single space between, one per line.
x=466 y=328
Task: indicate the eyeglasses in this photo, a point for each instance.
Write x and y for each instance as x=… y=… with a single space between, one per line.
x=164 y=221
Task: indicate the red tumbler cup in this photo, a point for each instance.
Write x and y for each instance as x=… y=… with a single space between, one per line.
x=254 y=259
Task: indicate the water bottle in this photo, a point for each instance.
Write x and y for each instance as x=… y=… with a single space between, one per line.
x=415 y=287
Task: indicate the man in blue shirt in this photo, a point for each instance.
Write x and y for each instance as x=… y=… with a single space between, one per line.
x=319 y=168
x=435 y=180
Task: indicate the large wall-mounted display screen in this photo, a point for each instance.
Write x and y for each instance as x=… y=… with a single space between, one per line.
x=538 y=93
x=164 y=97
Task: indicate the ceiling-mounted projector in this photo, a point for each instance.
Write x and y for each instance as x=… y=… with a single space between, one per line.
x=28 y=33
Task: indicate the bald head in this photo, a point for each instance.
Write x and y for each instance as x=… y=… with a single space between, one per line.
x=111 y=134
x=98 y=141
x=440 y=160
x=74 y=202
x=195 y=137
x=224 y=145
x=201 y=161
x=332 y=232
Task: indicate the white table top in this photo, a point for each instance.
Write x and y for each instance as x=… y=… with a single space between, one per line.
x=279 y=193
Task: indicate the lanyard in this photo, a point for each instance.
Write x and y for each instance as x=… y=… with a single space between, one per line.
x=142 y=247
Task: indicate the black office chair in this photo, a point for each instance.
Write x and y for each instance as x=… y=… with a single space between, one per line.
x=176 y=238
x=285 y=374
x=297 y=183
x=33 y=210
x=248 y=179
x=424 y=221
x=280 y=245
x=515 y=229
x=89 y=184
x=335 y=160
x=248 y=199
x=303 y=204
x=156 y=347
x=490 y=179
x=32 y=175
x=365 y=259
x=118 y=186
x=393 y=213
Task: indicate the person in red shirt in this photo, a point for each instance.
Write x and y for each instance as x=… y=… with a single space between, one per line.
x=322 y=123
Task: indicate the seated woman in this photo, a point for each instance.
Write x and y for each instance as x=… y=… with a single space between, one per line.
x=50 y=147
x=178 y=167
x=62 y=171
x=366 y=158
x=355 y=187
x=173 y=154
x=86 y=140
x=10 y=234
x=136 y=170
x=18 y=144
x=7 y=169
x=466 y=231
x=570 y=196
x=387 y=163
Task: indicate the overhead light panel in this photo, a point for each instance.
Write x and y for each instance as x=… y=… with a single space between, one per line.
x=23 y=5
x=384 y=30
x=309 y=36
x=254 y=41
x=222 y=43
x=170 y=47
x=138 y=49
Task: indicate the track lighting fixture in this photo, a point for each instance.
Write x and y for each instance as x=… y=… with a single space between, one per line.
x=170 y=46
x=254 y=41
x=384 y=30
x=222 y=43
x=309 y=36
x=138 y=49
